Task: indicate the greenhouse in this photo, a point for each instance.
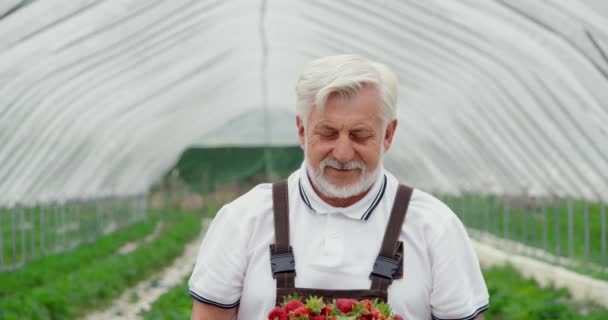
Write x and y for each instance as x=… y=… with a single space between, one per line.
x=126 y=125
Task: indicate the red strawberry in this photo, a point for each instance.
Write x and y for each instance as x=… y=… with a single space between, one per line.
x=293 y=305
x=375 y=315
x=319 y=317
x=380 y=317
x=301 y=311
x=278 y=313
x=326 y=310
x=398 y=318
x=367 y=305
x=346 y=305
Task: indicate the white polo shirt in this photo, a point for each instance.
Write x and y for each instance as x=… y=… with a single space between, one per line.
x=335 y=248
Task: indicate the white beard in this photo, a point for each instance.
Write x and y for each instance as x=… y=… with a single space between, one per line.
x=365 y=181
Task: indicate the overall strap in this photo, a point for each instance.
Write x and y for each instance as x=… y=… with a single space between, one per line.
x=281 y=256
x=388 y=260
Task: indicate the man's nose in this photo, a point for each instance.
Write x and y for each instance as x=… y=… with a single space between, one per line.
x=343 y=150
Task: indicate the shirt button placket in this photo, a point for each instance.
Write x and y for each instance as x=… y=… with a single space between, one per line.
x=333 y=240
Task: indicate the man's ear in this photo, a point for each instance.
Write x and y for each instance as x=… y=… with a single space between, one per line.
x=389 y=134
x=301 y=133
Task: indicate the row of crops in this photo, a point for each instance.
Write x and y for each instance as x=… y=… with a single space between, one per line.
x=71 y=284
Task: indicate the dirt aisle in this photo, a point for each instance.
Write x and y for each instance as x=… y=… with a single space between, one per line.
x=142 y=295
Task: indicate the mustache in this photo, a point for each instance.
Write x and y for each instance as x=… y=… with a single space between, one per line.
x=350 y=165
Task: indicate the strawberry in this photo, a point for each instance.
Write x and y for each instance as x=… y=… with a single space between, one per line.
x=293 y=305
x=319 y=317
x=301 y=311
x=367 y=305
x=326 y=310
x=278 y=313
x=346 y=305
x=398 y=318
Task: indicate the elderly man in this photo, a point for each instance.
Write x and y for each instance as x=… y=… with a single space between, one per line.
x=337 y=227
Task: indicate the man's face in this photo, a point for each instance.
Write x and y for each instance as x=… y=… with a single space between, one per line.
x=344 y=143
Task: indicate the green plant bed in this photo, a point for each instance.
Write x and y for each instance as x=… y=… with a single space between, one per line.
x=174 y=304
x=48 y=269
x=95 y=285
x=513 y=297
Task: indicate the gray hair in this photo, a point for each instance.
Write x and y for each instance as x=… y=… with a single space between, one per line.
x=345 y=74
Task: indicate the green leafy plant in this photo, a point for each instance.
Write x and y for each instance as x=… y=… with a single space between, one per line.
x=94 y=285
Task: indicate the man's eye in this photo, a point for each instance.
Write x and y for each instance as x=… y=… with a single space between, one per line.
x=360 y=137
x=327 y=134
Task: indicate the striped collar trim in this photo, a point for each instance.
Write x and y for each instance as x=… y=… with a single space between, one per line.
x=376 y=201
x=365 y=214
x=469 y=317
x=304 y=196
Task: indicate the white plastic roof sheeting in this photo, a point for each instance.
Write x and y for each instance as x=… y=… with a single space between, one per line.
x=99 y=98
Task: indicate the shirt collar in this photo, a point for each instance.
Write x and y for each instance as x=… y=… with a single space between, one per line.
x=360 y=210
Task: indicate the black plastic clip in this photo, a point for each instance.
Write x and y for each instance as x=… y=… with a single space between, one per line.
x=386 y=267
x=282 y=262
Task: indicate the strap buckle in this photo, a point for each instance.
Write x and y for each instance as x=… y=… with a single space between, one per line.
x=282 y=262
x=386 y=267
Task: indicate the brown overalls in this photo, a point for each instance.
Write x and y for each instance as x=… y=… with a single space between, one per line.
x=388 y=265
